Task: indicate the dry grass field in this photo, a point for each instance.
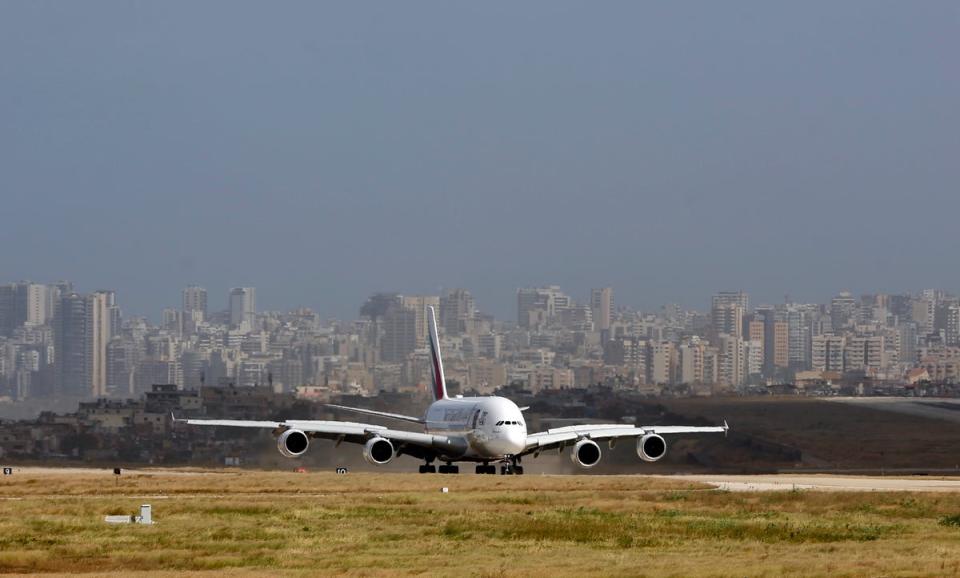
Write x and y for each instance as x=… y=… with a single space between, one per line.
x=240 y=522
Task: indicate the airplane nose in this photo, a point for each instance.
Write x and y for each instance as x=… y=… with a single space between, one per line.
x=516 y=441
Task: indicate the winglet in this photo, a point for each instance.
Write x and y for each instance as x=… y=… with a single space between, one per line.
x=726 y=428
x=439 y=383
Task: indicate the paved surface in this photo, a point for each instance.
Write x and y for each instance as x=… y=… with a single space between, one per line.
x=733 y=483
x=829 y=483
x=947 y=409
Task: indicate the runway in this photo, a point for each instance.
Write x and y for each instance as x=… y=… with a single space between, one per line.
x=947 y=409
x=824 y=483
x=732 y=483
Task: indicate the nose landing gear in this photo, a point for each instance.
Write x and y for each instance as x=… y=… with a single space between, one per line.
x=513 y=468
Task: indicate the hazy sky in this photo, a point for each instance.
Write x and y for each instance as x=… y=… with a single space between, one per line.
x=323 y=151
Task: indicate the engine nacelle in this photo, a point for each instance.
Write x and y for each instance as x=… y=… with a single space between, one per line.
x=378 y=451
x=651 y=447
x=293 y=443
x=586 y=454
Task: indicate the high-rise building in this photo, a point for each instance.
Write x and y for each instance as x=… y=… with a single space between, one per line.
x=731 y=298
x=7 y=305
x=827 y=353
x=947 y=321
x=195 y=303
x=488 y=345
x=625 y=351
x=843 y=310
x=907 y=333
x=457 y=308
x=753 y=359
x=727 y=309
x=923 y=313
x=690 y=365
x=377 y=305
x=661 y=367
x=539 y=306
x=105 y=322
x=418 y=304
x=601 y=306
x=727 y=319
x=243 y=308
x=83 y=329
x=26 y=303
x=798 y=336
x=865 y=353
x=71 y=359
x=781 y=345
x=732 y=359
x=754 y=330
x=35 y=303
x=399 y=334
x=121 y=366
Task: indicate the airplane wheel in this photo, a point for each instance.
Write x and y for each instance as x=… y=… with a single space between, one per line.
x=481 y=469
x=453 y=469
x=518 y=470
x=428 y=470
x=506 y=471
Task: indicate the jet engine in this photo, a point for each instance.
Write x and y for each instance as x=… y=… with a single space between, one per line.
x=651 y=447
x=378 y=451
x=293 y=443
x=586 y=454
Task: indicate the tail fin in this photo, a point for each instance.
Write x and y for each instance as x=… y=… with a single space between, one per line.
x=439 y=383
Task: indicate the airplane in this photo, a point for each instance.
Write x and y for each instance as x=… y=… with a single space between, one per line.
x=484 y=430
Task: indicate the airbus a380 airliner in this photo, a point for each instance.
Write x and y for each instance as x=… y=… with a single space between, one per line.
x=485 y=430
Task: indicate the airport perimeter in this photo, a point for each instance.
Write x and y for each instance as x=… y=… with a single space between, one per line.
x=51 y=521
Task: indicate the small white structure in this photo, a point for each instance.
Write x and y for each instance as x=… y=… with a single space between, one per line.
x=145 y=517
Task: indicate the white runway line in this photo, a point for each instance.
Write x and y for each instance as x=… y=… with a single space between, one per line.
x=823 y=483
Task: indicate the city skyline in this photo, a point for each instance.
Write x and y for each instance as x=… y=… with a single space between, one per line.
x=56 y=341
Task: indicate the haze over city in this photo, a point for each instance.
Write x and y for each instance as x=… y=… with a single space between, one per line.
x=325 y=152
x=505 y=288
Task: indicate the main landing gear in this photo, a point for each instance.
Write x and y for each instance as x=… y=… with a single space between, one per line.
x=448 y=468
x=486 y=469
x=513 y=468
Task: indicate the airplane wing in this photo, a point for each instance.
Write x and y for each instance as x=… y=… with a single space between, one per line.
x=345 y=431
x=561 y=436
x=377 y=413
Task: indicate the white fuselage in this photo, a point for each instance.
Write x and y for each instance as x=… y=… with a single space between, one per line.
x=490 y=427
